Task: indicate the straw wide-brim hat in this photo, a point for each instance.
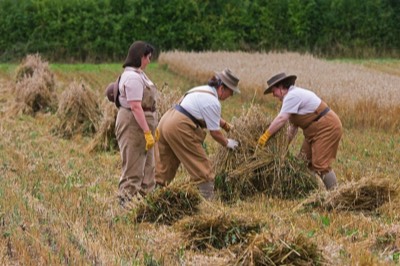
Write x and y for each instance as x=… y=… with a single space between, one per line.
x=278 y=78
x=229 y=79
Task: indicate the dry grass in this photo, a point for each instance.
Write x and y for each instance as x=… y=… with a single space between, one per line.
x=388 y=240
x=347 y=88
x=167 y=98
x=391 y=67
x=269 y=249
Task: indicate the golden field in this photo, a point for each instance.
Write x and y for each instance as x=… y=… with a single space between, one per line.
x=350 y=89
x=58 y=202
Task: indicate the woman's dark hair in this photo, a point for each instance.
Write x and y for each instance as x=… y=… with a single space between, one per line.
x=286 y=83
x=215 y=82
x=137 y=50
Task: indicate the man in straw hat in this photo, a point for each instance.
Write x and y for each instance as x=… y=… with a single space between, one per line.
x=321 y=126
x=182 y=132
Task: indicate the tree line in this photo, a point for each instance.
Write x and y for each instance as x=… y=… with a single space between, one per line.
x=102 y=30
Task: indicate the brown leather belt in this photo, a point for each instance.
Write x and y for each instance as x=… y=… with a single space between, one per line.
x=145 y=109
x=149 y=109
x=324 y=112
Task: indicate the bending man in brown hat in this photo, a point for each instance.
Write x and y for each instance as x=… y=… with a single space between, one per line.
x=182 y=132
x=135 y=125
x=321 y=126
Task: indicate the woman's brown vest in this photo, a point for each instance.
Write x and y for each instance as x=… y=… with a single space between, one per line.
x=149 y=95
x=304 y=121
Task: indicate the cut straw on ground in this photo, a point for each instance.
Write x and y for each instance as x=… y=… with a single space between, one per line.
x=169 y=204
x=367 y=194
x=250 y=169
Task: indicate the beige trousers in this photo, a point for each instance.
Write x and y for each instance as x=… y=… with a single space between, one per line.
x=138 y=167
x=181 y=142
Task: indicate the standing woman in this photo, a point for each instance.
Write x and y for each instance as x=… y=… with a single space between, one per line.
x=136 y=123
x=182 y=132
x=321 y=126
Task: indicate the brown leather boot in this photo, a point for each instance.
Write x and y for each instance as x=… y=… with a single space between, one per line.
x=206 y=189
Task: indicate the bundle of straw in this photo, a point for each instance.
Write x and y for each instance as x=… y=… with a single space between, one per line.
x=169 y=204
x=219 y=230
x=78 y=111
x=33 y=95
x=105 y=139
x=268 y=249
x=33 y=64
x=250 y=169
x=367 y=194
x=35 y=87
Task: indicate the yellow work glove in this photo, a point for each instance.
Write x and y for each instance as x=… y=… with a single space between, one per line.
x=157 y=135
x=149 y=140
x=264 y=138
x=227 y=127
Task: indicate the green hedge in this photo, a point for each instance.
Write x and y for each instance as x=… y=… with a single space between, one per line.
x=102 y=30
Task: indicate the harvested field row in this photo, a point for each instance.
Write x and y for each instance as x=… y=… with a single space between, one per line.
x=328 y=79
x=348 y=89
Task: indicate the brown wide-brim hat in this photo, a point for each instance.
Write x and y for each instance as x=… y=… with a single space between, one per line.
x=278 y=78
x=229 y=79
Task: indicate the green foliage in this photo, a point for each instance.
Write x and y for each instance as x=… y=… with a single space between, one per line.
x=325 y=221
x=102 y=30
x=396 y=257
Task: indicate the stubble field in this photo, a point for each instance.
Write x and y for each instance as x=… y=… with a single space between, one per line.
x=58 y=201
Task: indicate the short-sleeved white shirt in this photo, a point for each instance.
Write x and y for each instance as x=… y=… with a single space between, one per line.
x=131 y=86
x=204 y=106
x=299 y=101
